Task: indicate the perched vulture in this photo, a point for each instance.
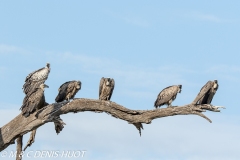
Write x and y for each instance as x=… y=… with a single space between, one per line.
x=68 y=90
x=211 y=88
x=36 y=78
x=34 y=100
x=167 y=95
x=106 y=88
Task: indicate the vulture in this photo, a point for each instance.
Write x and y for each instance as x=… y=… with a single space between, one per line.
x=68 y=90
x=34 y=100
x=106 y=88
x=36 y=78
x=167 y=95
x=211 y=88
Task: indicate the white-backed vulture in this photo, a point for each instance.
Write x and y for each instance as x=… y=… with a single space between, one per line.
x=68 y=90
x=106 y=88
x=167 y=95
x=34 y=100
x=36 y=78
x=211 y=88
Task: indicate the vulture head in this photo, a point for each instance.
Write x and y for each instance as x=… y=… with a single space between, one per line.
x=78 y=85
x=179 y=88
x=42 y=86
x=108 y=82
x=215 y=86
x=48 y=65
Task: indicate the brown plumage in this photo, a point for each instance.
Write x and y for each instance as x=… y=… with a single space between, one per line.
x=210 y=88
x=36 y=78
x=68 y=90
x=33 y=101
x=167 y=95
x=106 y=88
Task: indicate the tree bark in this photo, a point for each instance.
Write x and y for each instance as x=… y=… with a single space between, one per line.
x=31 y=139
x=19 y=148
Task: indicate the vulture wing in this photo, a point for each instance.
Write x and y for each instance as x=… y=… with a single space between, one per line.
x=166 y=95
x=32 y=101
x=30 y=76
x=112 y=88
x=211 y=94
x=35 y=78
x=30 y=85
x=203 y=94
x=71 y=86
x=101 y=86
x=62 y=92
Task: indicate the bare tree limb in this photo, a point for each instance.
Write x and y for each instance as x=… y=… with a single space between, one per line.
x=21 y=125
x=19 y=148
x=139 y=126
x=31 y=139
x=33 y=134
x=51 y=113
x=58 y=122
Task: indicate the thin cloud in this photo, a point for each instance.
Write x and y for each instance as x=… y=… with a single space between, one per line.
x=6 y=49
x=132 y=19
x=84 y=60
x=148 y=81
x=132 y=82
x=225 y=72
x=129 y=74
x=208 y=17
x=224 y=69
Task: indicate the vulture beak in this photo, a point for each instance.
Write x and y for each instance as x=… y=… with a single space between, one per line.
x=78 y=86
x=180 y=88
x=48 y=65
x=46 y=86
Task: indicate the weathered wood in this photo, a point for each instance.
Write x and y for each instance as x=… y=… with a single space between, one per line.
x=19 y=148
x=21 y=125
x=31 y=139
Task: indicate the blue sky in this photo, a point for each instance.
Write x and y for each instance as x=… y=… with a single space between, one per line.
x=145 y=47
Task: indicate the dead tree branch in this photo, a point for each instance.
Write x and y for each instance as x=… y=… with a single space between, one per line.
x=31 y=139
x=19 y=148
x=21 y=125
x=51 y=113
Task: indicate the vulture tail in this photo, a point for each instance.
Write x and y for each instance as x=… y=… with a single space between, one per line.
x=60 y=97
